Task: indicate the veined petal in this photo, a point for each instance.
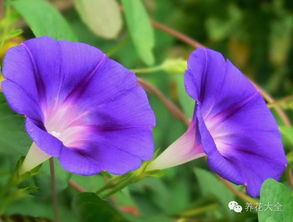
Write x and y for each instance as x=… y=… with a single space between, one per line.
x=184 y=149
x=95 y=159
x=238 y=132
x=27 y=105
x=135 y=141
x=18 y=68
x=135 y=116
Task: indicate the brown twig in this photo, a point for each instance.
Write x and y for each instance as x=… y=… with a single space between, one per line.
x=76 y=186
x=167 y=102
x=176 y=34
x=237 y=192
x=54 y=190
x=2 y=11
x=62 y=5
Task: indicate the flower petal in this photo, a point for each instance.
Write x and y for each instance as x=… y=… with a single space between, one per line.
x=238 y=132
x=96 y=158
x=135 y=141
x=27 y=105
x=132 y=108
x=18 y=68
x=34 y=157
x=92 y=90
x=78 y=163
x=184 y=149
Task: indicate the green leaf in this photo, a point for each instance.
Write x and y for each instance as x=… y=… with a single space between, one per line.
x=186 y=102
x=276 y=202
x=180 y=195
x=140 y=29
x=40 y=207
x=124 y=198
x=13 y=138
x=44 y=19
x=290 y=157
x=90 y=207
x=43 y=179
x=210 y=185
x=287 y=133
x=171 y=198
x=90 y=183
x=160 y=193
x=103 y=17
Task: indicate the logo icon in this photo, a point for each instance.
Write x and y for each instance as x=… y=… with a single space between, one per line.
x=233 y=205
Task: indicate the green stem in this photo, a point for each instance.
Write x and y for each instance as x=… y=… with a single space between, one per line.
x=281 y=102
x=112 y=183
x=119 y=182
x=200 y=210
x=119 y=186
x=148 y=70
x=54 y=191
x=8 y=192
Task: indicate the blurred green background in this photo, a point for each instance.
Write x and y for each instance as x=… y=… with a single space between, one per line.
x=256 y=35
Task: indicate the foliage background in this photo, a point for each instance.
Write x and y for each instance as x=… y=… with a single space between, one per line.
x=257 y=35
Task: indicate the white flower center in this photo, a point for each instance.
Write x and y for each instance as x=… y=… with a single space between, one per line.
x=66 y=124
x=219 y=134
x=56 y=134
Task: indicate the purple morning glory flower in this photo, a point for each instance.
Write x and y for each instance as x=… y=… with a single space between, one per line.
x=231 y=125
x=80 y=106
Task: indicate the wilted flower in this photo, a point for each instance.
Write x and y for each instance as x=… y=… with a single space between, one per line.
x=231 y=125
x=80 y=106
